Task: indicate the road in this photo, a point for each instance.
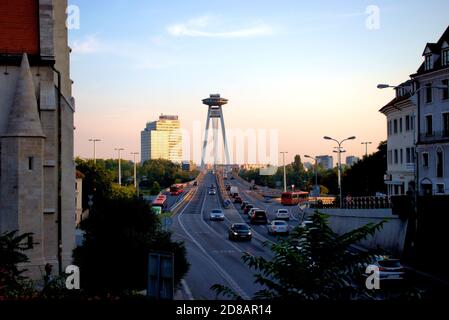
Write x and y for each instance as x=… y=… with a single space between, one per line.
x=214 y=259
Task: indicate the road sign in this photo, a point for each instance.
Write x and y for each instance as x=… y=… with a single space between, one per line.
x=227 y=203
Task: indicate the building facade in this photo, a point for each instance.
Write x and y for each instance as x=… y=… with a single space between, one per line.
x=162 y=139
x=327 y=162
x=351 y=160
x=37 y=175
x=401 y=140
x=433 y=118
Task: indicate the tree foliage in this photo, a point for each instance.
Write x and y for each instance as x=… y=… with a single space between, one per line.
x=314 y=263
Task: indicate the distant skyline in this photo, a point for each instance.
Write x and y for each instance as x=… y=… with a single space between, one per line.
x=306 y=69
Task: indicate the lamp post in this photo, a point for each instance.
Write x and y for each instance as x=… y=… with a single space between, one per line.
x=119 y=164
x=285 y=175
x=316 y=191
x=95 y=150
x=339 y=163
x=366 y=143
x=135 y=168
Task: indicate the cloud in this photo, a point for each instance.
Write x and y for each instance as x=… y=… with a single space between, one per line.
x=196 y=28
x=88 y=45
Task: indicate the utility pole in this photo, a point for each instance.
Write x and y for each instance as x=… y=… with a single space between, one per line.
x=95 y=150
x=285 y=175
x=366 y=147
x=135 y=168
x=119 y=164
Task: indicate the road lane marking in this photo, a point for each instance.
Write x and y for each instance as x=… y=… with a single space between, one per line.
x=224 y=274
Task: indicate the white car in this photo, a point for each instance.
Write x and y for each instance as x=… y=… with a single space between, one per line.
x=282 y=214
x=278 y=226
x=212 y=192
x=217 y=214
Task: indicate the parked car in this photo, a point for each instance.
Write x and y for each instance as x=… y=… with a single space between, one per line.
x=228 y=187
x=389 y=269
x=247 y=208
x=282 y=214
x=305 y=223
x=259 y=217
x=217 y=214
x=238 y=200
x=278 y=227
x=244 y=203
x=212 y=192
x=240 y=231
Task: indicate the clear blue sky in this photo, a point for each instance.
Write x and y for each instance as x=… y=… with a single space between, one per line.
x=306 y=68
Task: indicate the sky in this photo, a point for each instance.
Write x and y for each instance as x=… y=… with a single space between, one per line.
x=304 y=68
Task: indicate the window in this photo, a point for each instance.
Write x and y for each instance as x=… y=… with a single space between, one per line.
x=440 y=187
x=429 y=93
x=445 y=55
x=408 y=157
x=445 y=83
x=439 y=163
x=429 y=125
x=407 y=123
x=390 y=156
x=402 y=155
x=389 y=127
x=425 y=159
x=446 y=124
x=395 y=156
x=30 y=163
x=395 y=126
x=400 y=125
x=412 y=123
x=428 y=62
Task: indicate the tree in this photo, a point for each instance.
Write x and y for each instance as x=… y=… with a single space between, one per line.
x=155 y=189
x=314 y=263
x=13 y=284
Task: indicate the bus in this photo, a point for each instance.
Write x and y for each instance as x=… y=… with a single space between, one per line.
x=176 y=190
x=159 y=204
x=294 y=198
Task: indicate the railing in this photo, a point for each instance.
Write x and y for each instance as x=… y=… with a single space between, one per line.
x=434 y=136
x=355 y=203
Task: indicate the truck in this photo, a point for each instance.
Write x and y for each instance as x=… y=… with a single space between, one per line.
x=234 y=191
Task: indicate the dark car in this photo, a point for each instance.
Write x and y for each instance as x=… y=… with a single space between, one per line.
x=240 y=231
x=244 y=203
x=247 y=208
x=259 y=217
x=195 y=183
x=238 y=200
x=228 y=187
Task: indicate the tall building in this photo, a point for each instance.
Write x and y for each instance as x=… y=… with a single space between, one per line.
x=351 y=160
x=327 y=162
x=162 y=139
x=433 y=118
x=401 y=133
x=37 y=175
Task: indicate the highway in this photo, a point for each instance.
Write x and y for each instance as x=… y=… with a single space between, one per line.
x=214 y=258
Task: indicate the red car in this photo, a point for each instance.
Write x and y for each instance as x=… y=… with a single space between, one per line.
x=238 y=200
x=176 y=190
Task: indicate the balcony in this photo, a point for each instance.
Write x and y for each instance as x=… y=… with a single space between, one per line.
x=434 y=136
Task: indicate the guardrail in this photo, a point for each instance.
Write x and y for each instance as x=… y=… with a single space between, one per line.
x=355 y=203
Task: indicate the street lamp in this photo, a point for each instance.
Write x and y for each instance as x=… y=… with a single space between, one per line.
x=339 y=163
x=119 y=164
x=285 y=175
x=95 y=151
x=135 y=168
x=316 y=191
x=366 y=143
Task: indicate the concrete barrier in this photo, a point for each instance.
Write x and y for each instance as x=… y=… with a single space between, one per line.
x=391 y=237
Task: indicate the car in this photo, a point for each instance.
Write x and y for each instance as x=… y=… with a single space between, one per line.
x=212 y=186
x=251 y=211
x=238 y=200
x=212 y=192
x=247 y=208
x=228 y=187
x=282 y=214
x=389 y=268
x=240 y=231
x=195 y=183
x=306 y=223
x=278 y=227
x=259 y=217
x=244 y=203
x=217 y=214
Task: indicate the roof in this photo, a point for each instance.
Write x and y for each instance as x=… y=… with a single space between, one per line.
x=394 y=101
x=435 y=48
x=23 y=119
